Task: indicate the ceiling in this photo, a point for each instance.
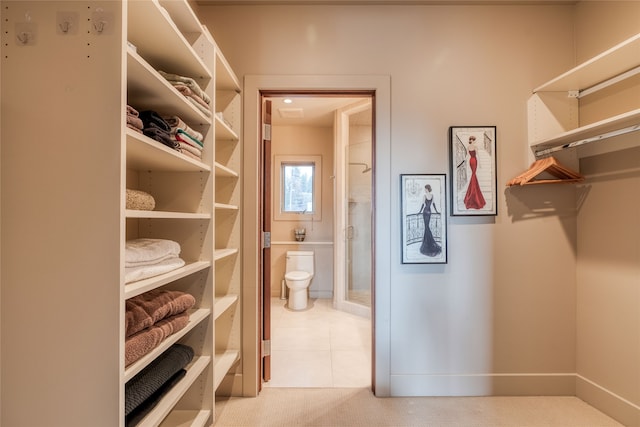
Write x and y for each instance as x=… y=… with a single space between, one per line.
x=311 y=111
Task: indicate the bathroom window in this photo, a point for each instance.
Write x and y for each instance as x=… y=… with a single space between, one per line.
x=297 y=187
x=298 y=181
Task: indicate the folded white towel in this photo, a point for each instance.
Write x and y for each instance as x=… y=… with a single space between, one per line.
x=149 y=251
x=132 y=274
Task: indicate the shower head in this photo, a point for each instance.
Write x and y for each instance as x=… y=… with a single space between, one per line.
x=366 y=166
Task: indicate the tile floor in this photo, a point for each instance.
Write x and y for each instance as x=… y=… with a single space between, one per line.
x=319 y=347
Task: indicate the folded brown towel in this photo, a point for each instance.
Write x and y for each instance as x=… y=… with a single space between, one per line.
x=146 y=340
x=142 y=311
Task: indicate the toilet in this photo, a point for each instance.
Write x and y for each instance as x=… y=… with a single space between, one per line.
x=298 y=275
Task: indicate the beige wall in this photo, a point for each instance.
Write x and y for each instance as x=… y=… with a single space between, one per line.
x=312 y=141
x=505 y=302
x=500 y=317
x=608 y=261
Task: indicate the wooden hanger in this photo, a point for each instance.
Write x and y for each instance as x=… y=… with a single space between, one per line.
x=549 y=165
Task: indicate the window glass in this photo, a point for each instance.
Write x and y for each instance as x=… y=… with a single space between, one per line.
x=297 y=187
x=297 y=190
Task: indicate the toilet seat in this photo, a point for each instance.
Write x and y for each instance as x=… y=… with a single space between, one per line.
x=297 y=275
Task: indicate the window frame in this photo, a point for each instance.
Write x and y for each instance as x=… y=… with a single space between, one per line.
x=279 y=162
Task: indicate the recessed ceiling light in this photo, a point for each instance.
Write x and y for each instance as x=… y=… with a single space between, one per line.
x=287 y=100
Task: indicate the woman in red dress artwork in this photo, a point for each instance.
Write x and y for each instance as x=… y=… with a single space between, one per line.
x=474 y=198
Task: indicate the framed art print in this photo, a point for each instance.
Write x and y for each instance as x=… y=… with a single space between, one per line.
x=424 y=219
x=472 y=156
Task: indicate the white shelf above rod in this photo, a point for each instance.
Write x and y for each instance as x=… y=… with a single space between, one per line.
x=544 y=152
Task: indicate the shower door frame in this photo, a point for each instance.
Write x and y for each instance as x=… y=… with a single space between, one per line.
x=341 y=200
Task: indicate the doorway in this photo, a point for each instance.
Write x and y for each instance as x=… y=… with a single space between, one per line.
x=253 y=348
x=328 y=136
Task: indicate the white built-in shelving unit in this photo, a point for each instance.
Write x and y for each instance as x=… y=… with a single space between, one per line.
x=227 y=170
x=556 y=115
x=64 y=178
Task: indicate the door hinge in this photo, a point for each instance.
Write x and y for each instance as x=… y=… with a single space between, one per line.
x=266 y=239
x=266 y=348
x=266 y=132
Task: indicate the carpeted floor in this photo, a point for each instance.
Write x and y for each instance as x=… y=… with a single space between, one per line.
x=357 y=407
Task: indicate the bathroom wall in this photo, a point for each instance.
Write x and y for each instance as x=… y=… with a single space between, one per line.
x=306 y=140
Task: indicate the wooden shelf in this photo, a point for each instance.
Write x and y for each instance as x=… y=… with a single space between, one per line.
x=621 y=121
x=143 y=153
x=223 y=303
x=225 y=78
x=610 y=63
x=184 y=18
x=223 y=253
x=224 y=171
x=223 y=363
x=184 y=418
x=165 y=50
x=195 y=317
x=554 y=118
x=166 y=404
x=132 y=213
x=224 y=131
x=148 y=90
x=225 y=206
x=141 y=286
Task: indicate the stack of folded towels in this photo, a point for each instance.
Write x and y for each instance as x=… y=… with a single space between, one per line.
x=190 y=141
x=133 y=119
x=151 y=317
x=171 y=131
x=191 y=90
x=143 y=392
x=156 y=128
x=146 y=258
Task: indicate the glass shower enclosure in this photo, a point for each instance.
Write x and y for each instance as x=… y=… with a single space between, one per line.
x=354 y=183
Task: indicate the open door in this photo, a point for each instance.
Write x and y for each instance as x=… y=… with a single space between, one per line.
x=265 y=344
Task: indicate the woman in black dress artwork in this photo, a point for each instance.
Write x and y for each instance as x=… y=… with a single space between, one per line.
x=429 y=246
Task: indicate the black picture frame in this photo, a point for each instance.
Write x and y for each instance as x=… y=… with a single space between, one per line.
x=473 y=170
x=420 y=245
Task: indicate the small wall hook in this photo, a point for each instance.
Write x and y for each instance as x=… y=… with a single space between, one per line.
x=65 y=26
x=24 y=37
x=100 y=26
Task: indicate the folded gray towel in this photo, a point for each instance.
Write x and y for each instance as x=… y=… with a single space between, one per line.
x=157 y=373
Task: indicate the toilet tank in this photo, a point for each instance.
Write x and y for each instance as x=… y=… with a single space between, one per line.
x=299 y=261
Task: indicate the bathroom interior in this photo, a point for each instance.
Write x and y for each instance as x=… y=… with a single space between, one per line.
x=321 y=148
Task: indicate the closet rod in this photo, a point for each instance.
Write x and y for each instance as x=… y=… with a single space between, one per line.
x=600 y=137
x=609 y=82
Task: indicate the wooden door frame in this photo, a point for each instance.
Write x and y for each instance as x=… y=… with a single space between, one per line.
x=252 y=240
x=265 y=208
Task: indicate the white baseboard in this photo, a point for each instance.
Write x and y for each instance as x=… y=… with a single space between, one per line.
x=484 y=385
x=617 y=407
